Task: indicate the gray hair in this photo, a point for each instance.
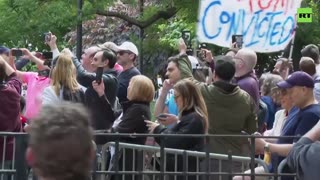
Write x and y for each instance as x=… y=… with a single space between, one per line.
x=269 y=84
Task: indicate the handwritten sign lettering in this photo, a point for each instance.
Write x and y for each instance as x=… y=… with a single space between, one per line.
x=266 y=25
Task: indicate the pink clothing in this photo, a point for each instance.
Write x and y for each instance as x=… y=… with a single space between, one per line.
x=35 y=87
x=118 y=68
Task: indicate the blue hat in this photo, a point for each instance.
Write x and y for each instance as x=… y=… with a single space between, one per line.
x=4 y=50
x=298 y=78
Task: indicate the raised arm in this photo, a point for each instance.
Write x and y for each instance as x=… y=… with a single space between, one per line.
x=53 y=46
x=84 y=77
x=160 y=106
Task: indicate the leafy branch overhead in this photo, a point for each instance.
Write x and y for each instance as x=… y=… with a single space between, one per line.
x=144 y=23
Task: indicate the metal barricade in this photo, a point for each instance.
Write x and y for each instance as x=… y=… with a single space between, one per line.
x=146 y=162
x=281 y=167
x=13 y=164
x=152 y=162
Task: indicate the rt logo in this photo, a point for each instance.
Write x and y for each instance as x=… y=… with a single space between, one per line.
x=304 y=15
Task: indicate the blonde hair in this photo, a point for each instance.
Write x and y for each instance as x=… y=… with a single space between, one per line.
x=192 y=98
x=141 y=89
x=64 y=75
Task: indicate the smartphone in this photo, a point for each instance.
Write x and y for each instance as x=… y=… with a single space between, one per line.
x=162 y=116
x=44 y=73
x=17 y=52
x=186 y=36
x=47 y=55
x=47 y=36
x=99 y=74
x=47 y=62
x=201 y=54
x=238 y=39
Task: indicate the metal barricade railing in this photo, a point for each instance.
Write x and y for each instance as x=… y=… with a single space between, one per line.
x=13 y=147
x=281 y=168
x=155 y=152
x=148 y=162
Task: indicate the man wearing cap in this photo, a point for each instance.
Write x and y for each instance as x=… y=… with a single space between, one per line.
x=300 y=88
x=127 y=54
x=230 y=110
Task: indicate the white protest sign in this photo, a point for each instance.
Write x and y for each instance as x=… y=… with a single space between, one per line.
x=266 y=25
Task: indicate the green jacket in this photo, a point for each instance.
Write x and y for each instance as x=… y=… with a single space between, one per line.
x=230 y=111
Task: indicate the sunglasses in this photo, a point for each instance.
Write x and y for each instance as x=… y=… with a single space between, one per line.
x=123 y=52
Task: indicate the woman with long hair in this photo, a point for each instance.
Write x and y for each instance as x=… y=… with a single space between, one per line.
x=193 y=119
x=64 y=84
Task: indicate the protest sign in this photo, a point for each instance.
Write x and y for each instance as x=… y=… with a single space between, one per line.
x=266 y=25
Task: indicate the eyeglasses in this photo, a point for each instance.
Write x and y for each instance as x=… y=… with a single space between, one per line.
x=123 y=52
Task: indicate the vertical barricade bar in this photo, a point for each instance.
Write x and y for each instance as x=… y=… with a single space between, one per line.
x=252 y=155
x=207 y=160
x=140 y=160
x=20 y=161
x=162 y=156
x=230 y=165
x=116 y=162
x=185 y=165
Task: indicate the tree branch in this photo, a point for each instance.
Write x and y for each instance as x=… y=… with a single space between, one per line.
x=165 y=14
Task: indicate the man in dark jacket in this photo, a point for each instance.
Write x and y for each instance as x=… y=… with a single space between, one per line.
x=230 y=110
x=127 y=54
x=102 y=116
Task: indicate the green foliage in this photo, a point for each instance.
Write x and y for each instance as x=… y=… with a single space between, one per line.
x=25 y=21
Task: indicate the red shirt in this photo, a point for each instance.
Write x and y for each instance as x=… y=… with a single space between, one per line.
x=10 y=111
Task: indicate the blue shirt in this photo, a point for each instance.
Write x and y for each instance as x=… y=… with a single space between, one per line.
x=305 y=119
x=172 y=106
x=272 y=109
x=298 y=123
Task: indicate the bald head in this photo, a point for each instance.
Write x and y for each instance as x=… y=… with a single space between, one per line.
x=246 y=60
x=93 y=49
x=87 y=57
x=307 y=65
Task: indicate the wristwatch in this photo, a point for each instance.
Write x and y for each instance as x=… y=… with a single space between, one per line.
x=266 y=147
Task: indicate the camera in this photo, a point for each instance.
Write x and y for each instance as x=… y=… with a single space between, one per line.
x=17 y=52
x=201 y=54
x=238 y=39
x=47 y=55
x=186 y=36
x=47 y=36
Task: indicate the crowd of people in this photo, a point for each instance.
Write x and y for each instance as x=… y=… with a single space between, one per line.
x=229 y=100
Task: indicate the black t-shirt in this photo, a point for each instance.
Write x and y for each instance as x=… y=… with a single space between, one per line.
x=124 y=79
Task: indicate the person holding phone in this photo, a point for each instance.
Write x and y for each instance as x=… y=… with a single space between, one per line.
x=36 y=83
x=103 y=62
x=193 y=120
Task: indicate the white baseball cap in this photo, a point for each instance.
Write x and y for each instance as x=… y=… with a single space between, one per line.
x=128 y=46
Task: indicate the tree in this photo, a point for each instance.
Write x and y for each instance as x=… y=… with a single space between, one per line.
x=117 y=20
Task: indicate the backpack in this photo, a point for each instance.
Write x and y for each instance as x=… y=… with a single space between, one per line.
x=262 y=116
